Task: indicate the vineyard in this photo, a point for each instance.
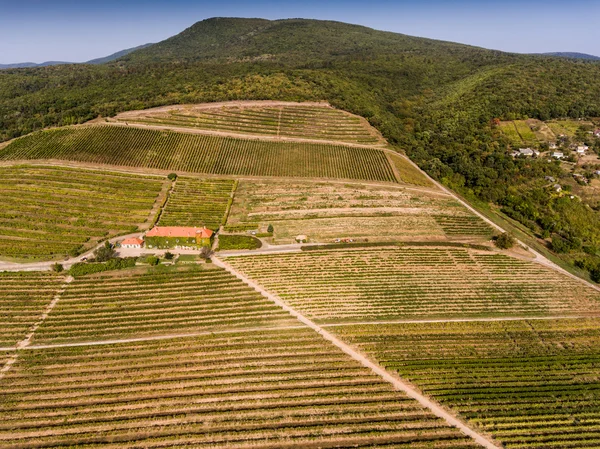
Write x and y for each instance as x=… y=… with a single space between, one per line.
x=326 y=211
x=531 y=384
x=24 y=297
x=198 y=202
x=48 y=212
x=157 y=303
x=296 y=121
x=265 y=389
x=128 y=146
x=384 y=284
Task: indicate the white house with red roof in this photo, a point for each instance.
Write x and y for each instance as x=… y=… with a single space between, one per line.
x=134 y=242
x=178 y=237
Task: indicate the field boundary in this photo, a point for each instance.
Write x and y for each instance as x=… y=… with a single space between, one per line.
x=397 y=382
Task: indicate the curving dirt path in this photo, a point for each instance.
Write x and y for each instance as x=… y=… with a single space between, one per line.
x=397 y=382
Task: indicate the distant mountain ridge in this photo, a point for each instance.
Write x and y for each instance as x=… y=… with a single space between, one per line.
x=105 y=59
x=573 y=55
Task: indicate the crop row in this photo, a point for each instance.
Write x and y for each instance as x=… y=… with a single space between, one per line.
x=24 y=298
x=530 y=384
x=49 y=212
x=315 y=123
x=260 y=389
x=128 y=146
x=196 y=202
x=381 y=284
x=193 y=300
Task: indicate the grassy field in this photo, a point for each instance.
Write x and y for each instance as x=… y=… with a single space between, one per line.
x=327 y=211
x=519 y=133
x=530 y=384
x=198 y=202
x=416 y=283
x=304 y=122
x=265 y=389
x=567 y=127
x=408 y=173
x=128 y=146
x=194 y=299
x=50 y=212
x=510 y=132
x=24 y=298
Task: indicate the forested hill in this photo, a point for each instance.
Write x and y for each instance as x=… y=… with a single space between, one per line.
x=435 y=100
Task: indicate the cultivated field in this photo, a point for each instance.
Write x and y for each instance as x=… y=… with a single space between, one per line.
x=415 y=283
x=198 y=202
x=23 y=299
x=294 y=121
x=160 y=302
x=50 y=212
x=166 y=150
x=263 y=389
x=531 y=384
x=327 y=211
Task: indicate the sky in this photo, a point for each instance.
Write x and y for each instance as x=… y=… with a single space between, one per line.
x=77 y=31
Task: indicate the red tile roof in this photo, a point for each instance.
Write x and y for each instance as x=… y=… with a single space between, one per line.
x=179 y=231
x=132 y=241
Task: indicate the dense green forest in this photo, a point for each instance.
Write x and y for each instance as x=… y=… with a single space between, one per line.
x=435 y=100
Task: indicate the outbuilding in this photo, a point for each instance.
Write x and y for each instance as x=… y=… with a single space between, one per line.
x=135 y=243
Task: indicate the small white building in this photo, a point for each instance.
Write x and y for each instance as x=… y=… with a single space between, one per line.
x=134 y=243
x=528 y=152
x=597 y=133
x=552 y=145
x=581 y=149
x=557 y=188
x=558 y=155
x=550 y=179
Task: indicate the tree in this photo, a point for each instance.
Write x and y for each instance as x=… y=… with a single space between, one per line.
x=505 y=241
x=152 y=260
x=105 y=253
x=270 y=229
x=169 y=255
x=172 y=176
x=58 y=268
x=206 y=252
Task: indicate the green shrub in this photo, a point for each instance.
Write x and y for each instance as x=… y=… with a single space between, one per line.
x=172 y=176
x=169 y=255
x=83 y=268
x=58 y=268
x=152 y=260
x=505 y=241
x=104 y=253
x=228 y=242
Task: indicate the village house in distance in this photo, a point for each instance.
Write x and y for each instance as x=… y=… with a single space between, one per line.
x=178 y=237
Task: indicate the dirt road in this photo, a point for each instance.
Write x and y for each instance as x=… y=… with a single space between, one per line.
x=398 y=383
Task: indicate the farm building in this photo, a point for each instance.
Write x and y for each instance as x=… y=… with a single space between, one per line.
x=179 y=237
x=132 y=243
x=558 y=155
x=582 y=149
x=552 y=145
x=528 y=152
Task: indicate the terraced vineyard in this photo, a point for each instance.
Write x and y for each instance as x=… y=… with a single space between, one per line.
x=531 y=384
x=384 y=284
x=23 y=299
x=260 y=389
x=157 y=303
x=198 y=202
x=128 y=146
x=51 y=212
x=296 y=121
x=327 y=211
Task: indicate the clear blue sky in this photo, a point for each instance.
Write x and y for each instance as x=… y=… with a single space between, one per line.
x=67 y=30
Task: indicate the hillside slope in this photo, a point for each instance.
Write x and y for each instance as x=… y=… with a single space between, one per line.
x=435 y=100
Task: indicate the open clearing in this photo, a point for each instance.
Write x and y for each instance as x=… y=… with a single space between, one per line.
x=167 y=150
x=265 y=389
x=159 y=302
x=50 y=212
x=424 y=282
x=315 y=122
x=23 y=299
x=327 y=211
x=531 y=384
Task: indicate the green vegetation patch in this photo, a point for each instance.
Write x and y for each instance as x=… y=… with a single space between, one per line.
x=84 y=268
x=527 y=383
x=409 y=173
x=368 y=284
x=128 y=146
x=229 y=242
x=221 y=390
x=52 y=212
